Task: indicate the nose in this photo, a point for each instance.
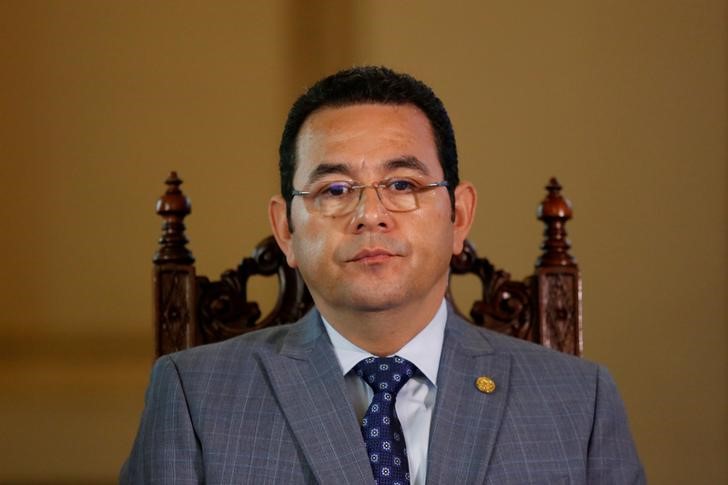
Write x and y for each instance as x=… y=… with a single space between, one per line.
x=370 y=213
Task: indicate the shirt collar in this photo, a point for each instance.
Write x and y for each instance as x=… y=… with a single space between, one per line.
x=423 y=350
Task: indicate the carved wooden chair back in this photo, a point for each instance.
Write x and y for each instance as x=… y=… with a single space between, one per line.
x=191 y=310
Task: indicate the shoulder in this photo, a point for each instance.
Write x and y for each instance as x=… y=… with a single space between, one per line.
x=539 y=377
x=243 y=352
x=529 y=361
x=551 y=398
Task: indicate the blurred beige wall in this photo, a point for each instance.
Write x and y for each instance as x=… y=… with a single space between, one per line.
x=626 y=102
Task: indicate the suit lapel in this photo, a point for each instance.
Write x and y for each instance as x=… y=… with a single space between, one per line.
x=306 y=378
x=465 y=421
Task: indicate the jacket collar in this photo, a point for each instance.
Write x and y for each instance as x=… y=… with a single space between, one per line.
x=306 y=378
x=466 y=421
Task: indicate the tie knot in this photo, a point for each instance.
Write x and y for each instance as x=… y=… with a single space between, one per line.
x=385 y=374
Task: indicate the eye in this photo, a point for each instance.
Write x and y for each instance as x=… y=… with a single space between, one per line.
x=401 y=185
x=335 y=190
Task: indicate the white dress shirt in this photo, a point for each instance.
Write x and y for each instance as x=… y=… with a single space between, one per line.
x=416 y=399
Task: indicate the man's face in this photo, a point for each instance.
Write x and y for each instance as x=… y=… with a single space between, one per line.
x=370 y=259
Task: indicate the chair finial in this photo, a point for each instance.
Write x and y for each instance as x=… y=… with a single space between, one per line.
x=554 y=211
x=173 y=207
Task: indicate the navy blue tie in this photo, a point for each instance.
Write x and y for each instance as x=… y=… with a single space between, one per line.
x=380 y=426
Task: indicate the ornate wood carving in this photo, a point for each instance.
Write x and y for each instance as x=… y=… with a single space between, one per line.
x=174 y=276
x=174 y=299
x=505 y=305
x=557 y=278
x=560 y=299
x=224 y=309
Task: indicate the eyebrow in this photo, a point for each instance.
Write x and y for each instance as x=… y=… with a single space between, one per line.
x=325 y=169
x=406 y=161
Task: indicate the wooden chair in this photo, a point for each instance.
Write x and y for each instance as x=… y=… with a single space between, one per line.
x=191 y=310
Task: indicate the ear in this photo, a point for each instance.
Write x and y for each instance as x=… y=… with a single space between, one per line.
x=466 y=198
x=281 y=230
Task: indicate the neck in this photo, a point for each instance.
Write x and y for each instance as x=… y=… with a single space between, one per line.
x=382 y=332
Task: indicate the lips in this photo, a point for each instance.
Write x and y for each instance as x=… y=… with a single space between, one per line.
x=371 y=256
x=372 y=249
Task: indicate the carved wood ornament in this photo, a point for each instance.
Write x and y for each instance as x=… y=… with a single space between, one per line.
x=191 y=310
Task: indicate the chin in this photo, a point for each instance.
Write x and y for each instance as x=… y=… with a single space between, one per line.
x=372 y=305
x=376 y=298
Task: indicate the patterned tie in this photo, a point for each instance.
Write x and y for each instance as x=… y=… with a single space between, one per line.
x=380 y=426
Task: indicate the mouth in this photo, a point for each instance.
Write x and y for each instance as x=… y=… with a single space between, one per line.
x=371 y=256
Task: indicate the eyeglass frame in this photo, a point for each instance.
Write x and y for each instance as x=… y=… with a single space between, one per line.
x=354 y=186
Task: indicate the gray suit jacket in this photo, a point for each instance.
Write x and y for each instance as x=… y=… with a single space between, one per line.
x=271 y=407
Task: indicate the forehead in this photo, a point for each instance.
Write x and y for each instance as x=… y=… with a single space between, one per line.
x=364 y=137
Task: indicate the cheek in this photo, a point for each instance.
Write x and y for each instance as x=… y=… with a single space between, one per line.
x=310 y=248
x=438 y=229
x=440 y=246
x=434 y=237
x=300 y=239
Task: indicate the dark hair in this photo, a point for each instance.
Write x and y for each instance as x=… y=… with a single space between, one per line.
x=368 y=84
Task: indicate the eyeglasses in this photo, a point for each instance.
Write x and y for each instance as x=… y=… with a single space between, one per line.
x=339 y=198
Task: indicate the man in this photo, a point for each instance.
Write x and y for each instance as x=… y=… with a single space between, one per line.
x=381 y=382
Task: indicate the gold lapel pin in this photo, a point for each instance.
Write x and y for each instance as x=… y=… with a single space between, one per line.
x=485 y=384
